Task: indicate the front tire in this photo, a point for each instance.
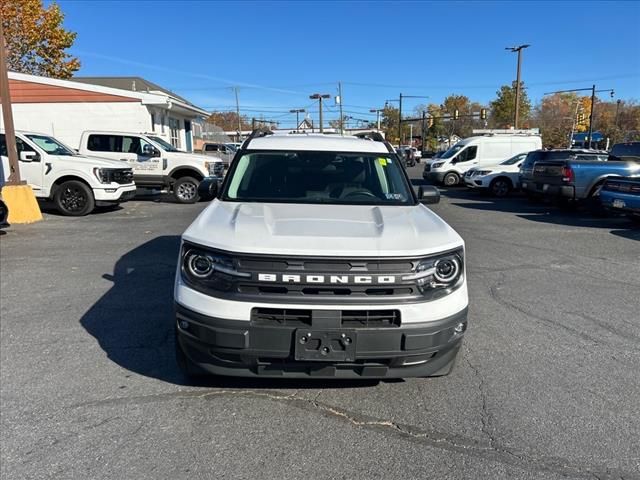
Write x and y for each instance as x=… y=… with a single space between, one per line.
x=185 y=190
x=500 y=187
x=451 y=179
x=74 y=198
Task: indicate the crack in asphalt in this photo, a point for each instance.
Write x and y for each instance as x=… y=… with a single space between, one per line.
x=485 y=418
x=439 y=440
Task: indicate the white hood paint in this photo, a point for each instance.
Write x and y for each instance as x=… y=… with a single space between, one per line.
x=193 y=157
x=75 y=160
x=322 y=230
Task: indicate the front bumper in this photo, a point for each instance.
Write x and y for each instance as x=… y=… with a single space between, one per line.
x=243 y=348
x=620 y=201
x=115 y=194
x=567 y=191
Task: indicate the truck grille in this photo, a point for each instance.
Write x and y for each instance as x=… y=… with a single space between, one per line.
x=349 y=318
x=123 y=177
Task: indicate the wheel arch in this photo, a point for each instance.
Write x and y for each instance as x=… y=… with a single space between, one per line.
x=65 y=178
x=180 y=172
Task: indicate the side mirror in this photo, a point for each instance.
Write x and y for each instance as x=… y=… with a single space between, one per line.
x=29 y=156
x=428 y=194
x=150 y=150
x=208 y=188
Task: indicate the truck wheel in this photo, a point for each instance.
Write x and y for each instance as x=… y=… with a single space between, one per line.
x=74 y=198
x=451 y=179
x=185 y=190
x=500 y=187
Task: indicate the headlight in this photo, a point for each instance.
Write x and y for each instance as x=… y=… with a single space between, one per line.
x=210 y=167
x=441 y=273
x=484 y=172
x=437 y=165
x=102 y=174
x=205 y=270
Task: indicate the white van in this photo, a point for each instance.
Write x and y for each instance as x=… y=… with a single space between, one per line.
x=76 y=184
x=477 y=151
x=155 y=163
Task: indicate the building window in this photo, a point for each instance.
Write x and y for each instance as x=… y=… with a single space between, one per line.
x=153 y=122
x=164 y=121
x=174 y=131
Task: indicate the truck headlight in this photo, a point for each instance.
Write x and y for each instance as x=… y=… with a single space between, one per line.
x=211 y=168
x=102 y=174
x=442 y=273
x=206 y=270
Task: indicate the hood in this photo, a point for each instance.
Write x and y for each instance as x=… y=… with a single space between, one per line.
x=323 y=230
x=91 y=161
x=194 y=157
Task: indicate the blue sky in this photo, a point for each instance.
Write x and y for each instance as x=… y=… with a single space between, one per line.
x=278 y=53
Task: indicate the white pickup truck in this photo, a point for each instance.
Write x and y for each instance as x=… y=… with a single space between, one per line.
x=75 y=183
x=155 y=163
x=317 y=259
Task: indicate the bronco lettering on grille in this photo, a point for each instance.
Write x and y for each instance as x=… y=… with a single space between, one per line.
x=332 y=279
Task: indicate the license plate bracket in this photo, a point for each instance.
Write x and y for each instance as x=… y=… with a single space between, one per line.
x=325 y=345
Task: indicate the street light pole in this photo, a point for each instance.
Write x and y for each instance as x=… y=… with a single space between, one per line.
x=400 y=122
x=319 y=97
x=297 y=111
x=377 y=112
x=518 y=49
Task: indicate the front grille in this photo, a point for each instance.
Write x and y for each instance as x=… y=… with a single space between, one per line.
x=220 y=168
x=427 y=168
x=348 y=318
x=280 y=316
x=123 y=177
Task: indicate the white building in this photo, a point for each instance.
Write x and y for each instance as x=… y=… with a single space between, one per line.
x=65 y=108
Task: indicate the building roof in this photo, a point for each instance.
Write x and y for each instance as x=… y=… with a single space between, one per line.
x=316 y=142
x=156 y=97
x=134 y=84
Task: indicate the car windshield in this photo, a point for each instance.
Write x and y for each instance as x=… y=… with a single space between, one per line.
x=318 y=178
x=51 y=145
x=513 y=160
x=452 y=151
x=231 y=147
x=164 y=144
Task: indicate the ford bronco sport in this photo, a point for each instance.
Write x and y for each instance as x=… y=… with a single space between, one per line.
x=317 y=259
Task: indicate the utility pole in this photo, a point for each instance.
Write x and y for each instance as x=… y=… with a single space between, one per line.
x=319 y=97
x=235 y=89
x=424 y=132
x=411 y=134
x=518 y=49
x=297 y=111
x=7 y=116
x=593 y=101
x=400 y=121
x=340 y=103
x=377 y=112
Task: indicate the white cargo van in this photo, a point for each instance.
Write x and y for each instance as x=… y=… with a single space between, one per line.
x=478 y=151
x=155 y=163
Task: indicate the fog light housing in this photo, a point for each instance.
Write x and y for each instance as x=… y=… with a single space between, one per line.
x=460 y=328
x=183 y=324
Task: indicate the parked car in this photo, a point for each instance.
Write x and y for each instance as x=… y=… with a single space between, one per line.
x=155 y=163
x=622 y=194
x=75 y=183
x=318 y=259
x=571 y=174
x=500 y=179
x=220 y=150
x=478 y=151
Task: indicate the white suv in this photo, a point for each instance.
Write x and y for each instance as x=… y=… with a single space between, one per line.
x=317 y=259
x=75 y=183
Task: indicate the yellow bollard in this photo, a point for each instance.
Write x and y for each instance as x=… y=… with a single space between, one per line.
x=22 y=204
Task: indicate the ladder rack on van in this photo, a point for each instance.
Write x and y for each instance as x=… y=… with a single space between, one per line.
x=505 y=131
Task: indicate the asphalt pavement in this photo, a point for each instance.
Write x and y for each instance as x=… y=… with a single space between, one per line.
x=547 y=387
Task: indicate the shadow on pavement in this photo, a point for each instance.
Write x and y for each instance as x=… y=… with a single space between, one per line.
x=134 y=324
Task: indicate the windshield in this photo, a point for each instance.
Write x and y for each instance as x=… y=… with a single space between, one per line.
x=231 y=146
x=452 y=151
x=51 y=145
x=164 y=144
x=317 y=178
x=514 y=160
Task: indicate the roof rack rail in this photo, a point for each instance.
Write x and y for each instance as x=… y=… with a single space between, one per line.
x=376 y=137
x=257 y=133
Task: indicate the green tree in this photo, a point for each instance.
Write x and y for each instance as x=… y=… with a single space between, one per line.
x=37 y=43
x=503 y=107
x=554 y=115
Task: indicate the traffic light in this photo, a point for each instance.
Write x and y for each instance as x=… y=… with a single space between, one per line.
x=456 y=114
x=580 y=118
x=483 y=114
